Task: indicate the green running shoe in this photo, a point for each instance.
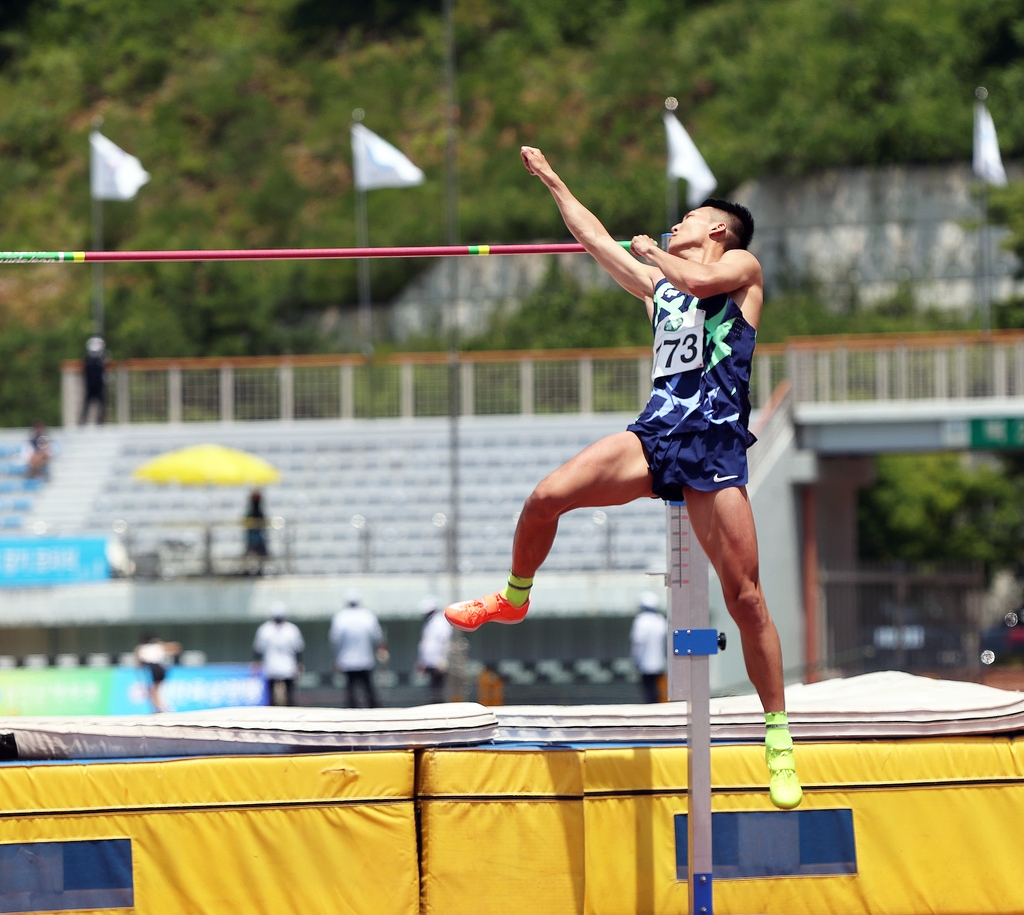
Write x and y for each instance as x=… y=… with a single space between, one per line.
x=784 y=786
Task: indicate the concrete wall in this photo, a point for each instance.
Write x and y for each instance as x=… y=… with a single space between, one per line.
x=860 y=233
x=483 y=284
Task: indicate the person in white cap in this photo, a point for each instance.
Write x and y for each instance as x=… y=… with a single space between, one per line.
x=358 y=644
x=278 y=648
x=435 y=640
x=648 y=643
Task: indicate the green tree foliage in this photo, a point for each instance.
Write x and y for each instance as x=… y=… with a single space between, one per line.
x=944 y=508
x=240 y=110
x=801 y=313
x=560 y=314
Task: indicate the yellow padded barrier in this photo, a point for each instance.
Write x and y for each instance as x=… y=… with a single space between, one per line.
x=936 y=822
x=502 y=832
x=313 y=834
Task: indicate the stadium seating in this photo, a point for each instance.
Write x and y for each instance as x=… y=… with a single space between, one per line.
x=394 y=475
x=17 y=494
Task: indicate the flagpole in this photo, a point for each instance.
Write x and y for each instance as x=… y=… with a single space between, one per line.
x=363 y=268
x=985 y=287
x=672 y=195
x=984 y=292
x=97 y=268
x=458 y=688
x=97 y=245
x=365 y=309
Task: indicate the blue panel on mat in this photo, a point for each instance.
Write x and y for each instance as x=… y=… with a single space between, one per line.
x=761 y=843
x=65 y=876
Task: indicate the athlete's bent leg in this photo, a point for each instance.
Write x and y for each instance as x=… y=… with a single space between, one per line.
x=612 y=471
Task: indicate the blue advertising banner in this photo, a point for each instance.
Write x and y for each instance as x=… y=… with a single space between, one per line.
x=27 y=563
x=125 y=690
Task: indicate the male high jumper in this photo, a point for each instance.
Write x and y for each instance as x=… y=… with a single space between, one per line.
x=703 y=298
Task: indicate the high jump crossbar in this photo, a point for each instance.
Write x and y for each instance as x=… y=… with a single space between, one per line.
x=284 y=254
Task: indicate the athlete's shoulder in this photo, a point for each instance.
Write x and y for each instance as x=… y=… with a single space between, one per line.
x=742 y=260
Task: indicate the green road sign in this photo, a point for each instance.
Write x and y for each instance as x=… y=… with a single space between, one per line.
x=997 y=433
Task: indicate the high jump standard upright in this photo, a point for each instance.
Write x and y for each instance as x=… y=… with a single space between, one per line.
x=692 y=643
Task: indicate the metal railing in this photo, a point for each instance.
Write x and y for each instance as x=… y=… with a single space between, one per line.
x=820 y=369
x=923 y=366
x=351 y=387
x=183 y=549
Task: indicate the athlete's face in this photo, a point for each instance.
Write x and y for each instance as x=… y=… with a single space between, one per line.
x=693 y=229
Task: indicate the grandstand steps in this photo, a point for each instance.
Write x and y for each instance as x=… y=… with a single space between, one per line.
x=78 y=472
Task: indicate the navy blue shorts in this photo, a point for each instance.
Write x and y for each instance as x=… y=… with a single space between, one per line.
x=709 y=457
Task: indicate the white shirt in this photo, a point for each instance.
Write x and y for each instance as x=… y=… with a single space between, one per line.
x=434 y=642
x=647 y=639
x=355 y=634
x=152 y=653
x=279 y=643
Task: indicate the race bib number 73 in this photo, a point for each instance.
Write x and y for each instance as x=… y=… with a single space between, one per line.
x=679 y=344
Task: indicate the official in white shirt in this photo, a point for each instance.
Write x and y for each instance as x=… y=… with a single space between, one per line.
x=358 y=643
x=648 y=643
x=435 y=641
x=278 y=648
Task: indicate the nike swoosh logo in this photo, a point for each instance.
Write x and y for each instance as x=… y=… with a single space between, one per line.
x=719 y=479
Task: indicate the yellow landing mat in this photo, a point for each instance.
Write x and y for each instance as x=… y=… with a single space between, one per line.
x=328 y=834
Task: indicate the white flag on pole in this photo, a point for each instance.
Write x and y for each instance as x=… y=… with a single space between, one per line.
x=685 y=161
x=988 y=164
x=379 y=164
x=116 y=175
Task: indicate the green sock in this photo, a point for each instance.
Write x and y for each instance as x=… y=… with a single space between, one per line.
x=517 y=591
x=777 y=736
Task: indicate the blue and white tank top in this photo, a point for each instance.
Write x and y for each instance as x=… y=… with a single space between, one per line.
x=703 y=350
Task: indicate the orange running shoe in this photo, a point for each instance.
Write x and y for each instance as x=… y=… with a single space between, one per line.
x=469 y=615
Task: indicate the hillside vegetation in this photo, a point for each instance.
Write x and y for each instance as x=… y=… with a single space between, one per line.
x=240 y=109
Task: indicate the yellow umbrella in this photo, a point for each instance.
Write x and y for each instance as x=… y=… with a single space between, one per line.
x=208 y=465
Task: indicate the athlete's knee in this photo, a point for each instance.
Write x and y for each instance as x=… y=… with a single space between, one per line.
x=747 y=606
x=545 y=503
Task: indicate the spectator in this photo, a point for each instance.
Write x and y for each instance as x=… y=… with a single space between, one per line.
x=37 y=453
x=255 y=535
x=648 y=643
x=156 y=656
x=358 y=644
x=435 y=640
x=94 y=371
x=278 y=648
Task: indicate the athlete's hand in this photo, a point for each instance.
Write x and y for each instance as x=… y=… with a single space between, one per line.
x=643 y=245
x=535 y=162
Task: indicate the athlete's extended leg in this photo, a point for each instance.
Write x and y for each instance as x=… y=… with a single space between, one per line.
x=612 y=471
x=724 y=525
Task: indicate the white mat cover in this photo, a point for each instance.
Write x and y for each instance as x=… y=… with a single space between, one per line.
x=876 y=705
x=248 y=731
x=879 y=705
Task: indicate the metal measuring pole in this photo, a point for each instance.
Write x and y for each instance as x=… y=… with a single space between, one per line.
x=692 y=642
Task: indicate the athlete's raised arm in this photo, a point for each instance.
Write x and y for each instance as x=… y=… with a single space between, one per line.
x=737 y=270
x=627 y=271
